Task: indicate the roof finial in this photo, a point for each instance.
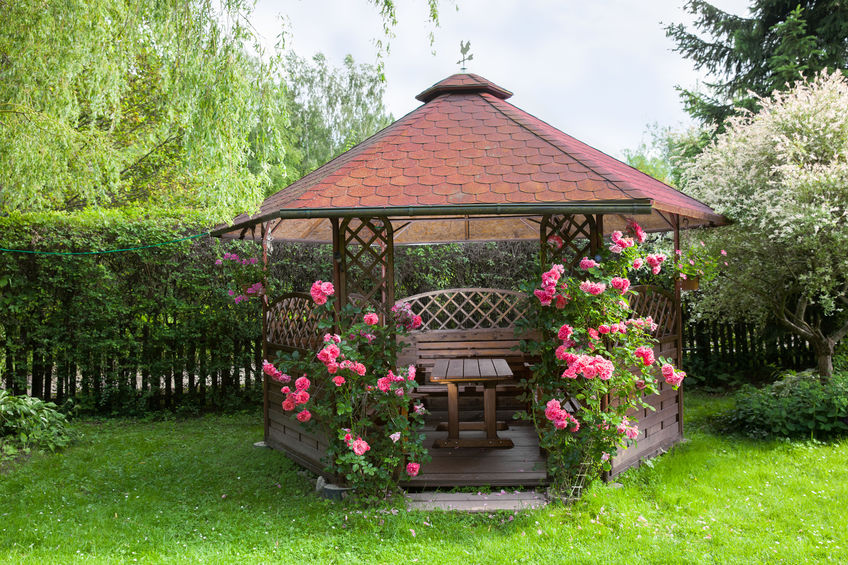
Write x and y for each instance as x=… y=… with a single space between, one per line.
x=463 y=49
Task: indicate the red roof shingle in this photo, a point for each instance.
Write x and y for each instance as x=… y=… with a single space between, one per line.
x=467 y=145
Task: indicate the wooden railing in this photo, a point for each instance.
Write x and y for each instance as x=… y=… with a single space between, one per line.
x=291 y=322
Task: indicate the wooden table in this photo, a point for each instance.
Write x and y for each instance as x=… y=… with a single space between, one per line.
x=487 y=371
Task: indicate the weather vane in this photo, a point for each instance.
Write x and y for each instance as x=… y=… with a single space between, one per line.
x=463 y=49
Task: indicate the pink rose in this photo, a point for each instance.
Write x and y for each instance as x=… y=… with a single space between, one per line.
x=565 y=331
x=268 y=369
x=339 y=381
x=637 y=231
x=675 y=378
x=412 y=469
x=320 y=291
x=359 y=446
x=646 y=354
x=288 y=404
x=586 y=263
x=551 y=278
x=620 y=284
x=329 y=353
x=303 y=416
x=593 y=288
x=545 y=296
x=637 y=263
x=370 y=318
x=302 y=383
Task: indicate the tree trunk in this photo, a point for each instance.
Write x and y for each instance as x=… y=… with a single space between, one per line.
x=823 y=349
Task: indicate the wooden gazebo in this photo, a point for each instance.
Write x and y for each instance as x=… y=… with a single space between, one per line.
x=465 y=166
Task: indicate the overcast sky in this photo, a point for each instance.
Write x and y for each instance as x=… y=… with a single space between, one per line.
x=598 y=70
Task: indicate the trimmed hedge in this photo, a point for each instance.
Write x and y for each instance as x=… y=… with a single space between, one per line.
x=138 y=331
x=122 y=333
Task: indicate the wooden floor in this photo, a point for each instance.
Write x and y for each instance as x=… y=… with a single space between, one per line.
x=522 y=465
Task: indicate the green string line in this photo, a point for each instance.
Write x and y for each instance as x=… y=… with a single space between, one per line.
x=101 y=252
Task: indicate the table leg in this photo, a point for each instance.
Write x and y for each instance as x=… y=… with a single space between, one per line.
x=453 y=411
x=490 y=410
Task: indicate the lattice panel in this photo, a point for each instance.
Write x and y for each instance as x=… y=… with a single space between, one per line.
x=468 y=308
x=659 y=305
x=567 y=239
x=367 y=260
x=291 y=322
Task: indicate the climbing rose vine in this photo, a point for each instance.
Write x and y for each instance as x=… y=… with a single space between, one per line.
x=244 y=274
x=597 y=360
x=351 y=390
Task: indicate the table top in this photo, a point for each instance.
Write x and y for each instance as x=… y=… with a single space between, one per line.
x=470 y=370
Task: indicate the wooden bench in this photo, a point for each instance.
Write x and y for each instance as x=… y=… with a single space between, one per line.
x=472 y=324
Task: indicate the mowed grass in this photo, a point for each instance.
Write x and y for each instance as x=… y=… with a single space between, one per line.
x=196 y=491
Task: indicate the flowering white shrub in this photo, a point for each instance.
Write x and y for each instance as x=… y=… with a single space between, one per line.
x=781 y=175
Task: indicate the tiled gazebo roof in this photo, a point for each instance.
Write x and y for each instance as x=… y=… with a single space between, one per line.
x=467 y=154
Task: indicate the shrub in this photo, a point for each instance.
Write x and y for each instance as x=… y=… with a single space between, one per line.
x=30 y=423
x=797 y=405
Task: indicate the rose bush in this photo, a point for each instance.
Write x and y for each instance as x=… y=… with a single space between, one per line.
x=245 y=274
x=596 y=358
x=354 y=394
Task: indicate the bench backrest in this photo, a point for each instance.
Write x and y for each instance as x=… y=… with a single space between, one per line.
x=465 y=322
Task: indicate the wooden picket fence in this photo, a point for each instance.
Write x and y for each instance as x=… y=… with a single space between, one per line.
x=740 y=347
x=201 y=374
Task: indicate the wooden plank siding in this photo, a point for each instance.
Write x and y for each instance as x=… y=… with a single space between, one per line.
x=659 y=429
x=286 y=434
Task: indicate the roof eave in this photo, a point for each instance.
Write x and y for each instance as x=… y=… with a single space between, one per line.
x=636 y=207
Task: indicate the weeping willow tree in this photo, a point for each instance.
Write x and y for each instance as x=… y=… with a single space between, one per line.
x=106 y=103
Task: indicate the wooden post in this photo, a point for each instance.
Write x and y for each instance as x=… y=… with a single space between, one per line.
x=389 y=266
x=679 y=323
x=543 y=245
x=598 y=233
x=338 y=267
x=266 y=234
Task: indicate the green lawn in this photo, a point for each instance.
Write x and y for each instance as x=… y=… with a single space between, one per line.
x=197 y=491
